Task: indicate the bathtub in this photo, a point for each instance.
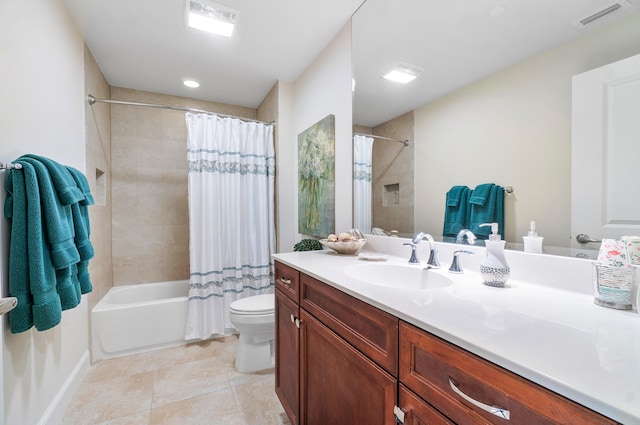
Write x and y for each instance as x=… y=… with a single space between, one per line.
x=133 y=319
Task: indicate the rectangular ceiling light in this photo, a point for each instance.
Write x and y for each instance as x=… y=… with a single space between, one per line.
x=404 y=72
x=211 y=17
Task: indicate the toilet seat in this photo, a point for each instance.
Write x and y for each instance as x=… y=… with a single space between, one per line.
x=254 y=305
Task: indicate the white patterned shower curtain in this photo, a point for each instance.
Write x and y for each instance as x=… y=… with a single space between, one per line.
x=231 y=218
x=362 y=168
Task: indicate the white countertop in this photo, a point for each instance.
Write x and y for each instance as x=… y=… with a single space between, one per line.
x=550 y=333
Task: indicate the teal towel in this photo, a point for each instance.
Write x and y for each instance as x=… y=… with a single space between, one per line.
x=65 y=186
x=58 y=218
x=456 y=210
x=46 y=308
x=487 y=206
x=21 y=317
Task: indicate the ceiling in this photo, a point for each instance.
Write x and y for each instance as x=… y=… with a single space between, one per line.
x=145 y=45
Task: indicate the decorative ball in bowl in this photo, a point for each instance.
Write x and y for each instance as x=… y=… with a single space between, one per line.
x=350 y=247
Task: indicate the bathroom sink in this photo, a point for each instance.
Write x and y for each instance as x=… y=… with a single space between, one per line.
x=398 y=276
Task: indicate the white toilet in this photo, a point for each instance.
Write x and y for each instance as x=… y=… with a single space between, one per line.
x=254 y=318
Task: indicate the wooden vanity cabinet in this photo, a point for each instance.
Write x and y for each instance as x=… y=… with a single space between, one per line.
x=329 y=346
x=342 y=361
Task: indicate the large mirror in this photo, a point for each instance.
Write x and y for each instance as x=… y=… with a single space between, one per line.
x=491 y=103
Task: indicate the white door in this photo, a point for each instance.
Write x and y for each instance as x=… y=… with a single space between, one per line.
x=605 y=152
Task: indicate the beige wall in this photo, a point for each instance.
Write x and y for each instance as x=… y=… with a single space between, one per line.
x=98 y=143
x=149 y=186
x=514 y=129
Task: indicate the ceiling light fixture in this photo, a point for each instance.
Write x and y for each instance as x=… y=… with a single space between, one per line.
x=404 y=72
x=211 y=17
x=191 y=83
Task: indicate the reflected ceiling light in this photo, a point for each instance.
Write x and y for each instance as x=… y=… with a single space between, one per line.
x=191 y=83
x=404 y=72
x=211 y=17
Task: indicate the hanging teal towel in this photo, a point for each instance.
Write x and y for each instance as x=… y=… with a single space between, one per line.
x=456 y=210
x=50 y=247
x=40 y=280
x=21 y=317
x=487 y=206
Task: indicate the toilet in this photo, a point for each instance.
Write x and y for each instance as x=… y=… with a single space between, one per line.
x=254 y=318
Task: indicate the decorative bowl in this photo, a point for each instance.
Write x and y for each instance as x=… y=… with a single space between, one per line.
x=351 y=247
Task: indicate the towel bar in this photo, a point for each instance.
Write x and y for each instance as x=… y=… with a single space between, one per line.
x=9 y=166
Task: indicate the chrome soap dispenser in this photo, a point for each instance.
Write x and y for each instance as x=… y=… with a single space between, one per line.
x=494 y=268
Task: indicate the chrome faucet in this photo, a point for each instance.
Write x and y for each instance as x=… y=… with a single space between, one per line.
x=455 y=264
x=433 y=258
x=471 y=237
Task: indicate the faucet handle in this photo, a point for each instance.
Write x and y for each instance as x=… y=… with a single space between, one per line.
x=455 y=264
x=414 y=256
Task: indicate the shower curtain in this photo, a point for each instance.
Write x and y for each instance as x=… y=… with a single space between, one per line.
x=362 y=152
x=231 y=167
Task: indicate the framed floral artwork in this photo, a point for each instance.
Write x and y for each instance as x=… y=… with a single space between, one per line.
x=316 y=178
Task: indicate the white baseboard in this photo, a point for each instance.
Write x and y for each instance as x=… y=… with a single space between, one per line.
x=55 y=412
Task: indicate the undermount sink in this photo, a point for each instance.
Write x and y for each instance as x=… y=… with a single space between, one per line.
x=398 y=276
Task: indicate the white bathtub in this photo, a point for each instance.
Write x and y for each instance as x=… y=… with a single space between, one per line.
x=133 y=319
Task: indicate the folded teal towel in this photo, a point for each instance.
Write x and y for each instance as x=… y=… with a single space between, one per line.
x=21 y=317
x=41 y=279
x=487 y=207
x=83 y=230
x=456 y=210
x=65 y=186
x=481 y=193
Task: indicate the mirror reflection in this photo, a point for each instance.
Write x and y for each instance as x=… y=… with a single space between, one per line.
x=491 y=103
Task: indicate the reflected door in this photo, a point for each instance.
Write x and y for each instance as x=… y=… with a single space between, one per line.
x=605 y=152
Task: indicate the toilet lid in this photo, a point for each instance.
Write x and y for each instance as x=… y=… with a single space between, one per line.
x=257 y=304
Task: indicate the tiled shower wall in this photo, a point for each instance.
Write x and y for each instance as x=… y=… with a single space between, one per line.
x=98 y=156
x=149 y=185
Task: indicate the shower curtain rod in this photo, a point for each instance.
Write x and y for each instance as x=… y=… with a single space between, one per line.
x=91 y=99
x=404 y=142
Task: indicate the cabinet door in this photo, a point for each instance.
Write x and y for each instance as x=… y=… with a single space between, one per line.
x=418 y=411
x=339 y=385
x=287 y=356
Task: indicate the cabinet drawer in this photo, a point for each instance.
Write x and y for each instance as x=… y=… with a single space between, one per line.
x=288 y=280
x=369 y=329
x=431 y=367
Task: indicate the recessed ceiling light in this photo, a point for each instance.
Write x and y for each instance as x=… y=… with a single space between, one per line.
x=191 y=83
x=211 y=17
x=404 y=72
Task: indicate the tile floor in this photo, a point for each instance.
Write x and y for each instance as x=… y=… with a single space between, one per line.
x=188 y=385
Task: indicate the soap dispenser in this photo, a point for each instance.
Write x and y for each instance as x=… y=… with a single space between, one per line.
x=494 y=268
x=532 y=242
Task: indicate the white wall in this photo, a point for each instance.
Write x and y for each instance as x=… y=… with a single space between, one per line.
x=323 y=89
x=42 y=112
x=514 y=129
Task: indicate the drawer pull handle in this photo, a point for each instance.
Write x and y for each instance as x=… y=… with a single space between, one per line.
x=293 y=318
x=285 y=280
x=494 y=410
x=298 y=321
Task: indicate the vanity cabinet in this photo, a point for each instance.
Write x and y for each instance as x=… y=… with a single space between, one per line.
x=341 y=361
x=343 y=351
